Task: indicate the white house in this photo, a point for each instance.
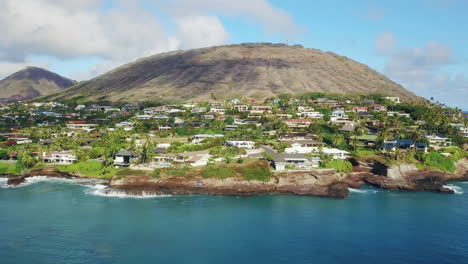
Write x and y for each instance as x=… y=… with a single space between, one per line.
x=439 y=142
x=311 y=114
x=197 y=139
x=295 y=161
x=241 y=144
x=339 y=114
x=59 y=157
x=336 y=153
x=127 y=126
x=396 y=100
x=241 y=108
x=302 y=146
x=219 y=110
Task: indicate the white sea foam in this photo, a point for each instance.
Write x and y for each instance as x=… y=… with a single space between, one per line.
x=103 y=190
x=3 y=182
x=455 y=189
x=352 y=190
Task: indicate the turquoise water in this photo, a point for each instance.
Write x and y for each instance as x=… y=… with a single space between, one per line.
x=59 y=222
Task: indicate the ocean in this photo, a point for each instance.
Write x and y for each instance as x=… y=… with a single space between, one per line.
x=59 y=221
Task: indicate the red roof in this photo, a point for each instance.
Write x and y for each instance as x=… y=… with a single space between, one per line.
x=78 y=122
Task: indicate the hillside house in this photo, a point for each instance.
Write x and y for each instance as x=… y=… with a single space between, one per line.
x=241 y=108
x=299 y=123
x=241 y=144
x=395 y=100
x=439 y=142
x=197 y=139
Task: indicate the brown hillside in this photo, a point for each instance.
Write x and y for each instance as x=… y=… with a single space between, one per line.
x=30 y=83
x=245 y=70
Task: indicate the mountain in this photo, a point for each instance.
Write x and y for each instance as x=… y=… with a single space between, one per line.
x=255 y=70
x=30 y=83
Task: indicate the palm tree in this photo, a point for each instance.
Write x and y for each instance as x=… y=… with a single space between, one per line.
x=337 y=140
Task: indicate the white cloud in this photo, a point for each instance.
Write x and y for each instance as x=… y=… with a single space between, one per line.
x=421 y=70
x=200 y=31
x=7 y=68
x=272 y=19
x=385 y=43
x=123 y=32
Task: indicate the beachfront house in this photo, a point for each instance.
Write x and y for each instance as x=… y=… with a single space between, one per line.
x=302 y=146
x=59 y=157
x=286 y=161
x=123 y=158
x=336 y=153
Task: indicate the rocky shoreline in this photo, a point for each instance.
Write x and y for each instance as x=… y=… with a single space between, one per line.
x=323 y=183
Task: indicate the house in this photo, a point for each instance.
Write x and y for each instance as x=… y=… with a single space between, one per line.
x=198 y=110
x=127 y=126
x=142 y=117
x=254 y=115
x=284 y=116
x=305 y=109
x=207 y=116
x=59 y=157
x=197 y=139
x=358 y=109
x=421 y=147
x=439 y=142
x=299 y=123
x=302 y=146
x=20 y=140
x=167 y=160
x=129 y=107
x=379 y=108
x=391 y=114
x=219 y=110
x=368 y=101
x=295 y=136
x=311 y=114
x=236 y=101
x=81 y=125
x=336 y=153
x=295 y=161
x=123 y=158
x=261 y=108
x=241 y=144
x=196 y=158
x=241 y=108
x=396 y=100
x=364 y=115
x=339 y=115
x=230 y=127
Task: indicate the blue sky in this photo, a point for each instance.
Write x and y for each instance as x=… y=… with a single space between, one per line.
x=421 y=44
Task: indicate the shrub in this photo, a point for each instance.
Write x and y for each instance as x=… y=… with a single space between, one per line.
x=340 y=165
x=256 y=173
x=217 y=172
x=7 y=168
x=89 y=168
x=435 y=160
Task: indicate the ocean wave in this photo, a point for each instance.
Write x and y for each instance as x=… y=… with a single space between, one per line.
x=352 y=190
x=455 y=189
x=3 y=182
x=105 y=191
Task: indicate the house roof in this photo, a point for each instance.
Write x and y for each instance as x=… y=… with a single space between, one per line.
x=124 y=152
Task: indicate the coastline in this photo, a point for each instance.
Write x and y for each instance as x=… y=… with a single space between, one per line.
x=321 y=183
